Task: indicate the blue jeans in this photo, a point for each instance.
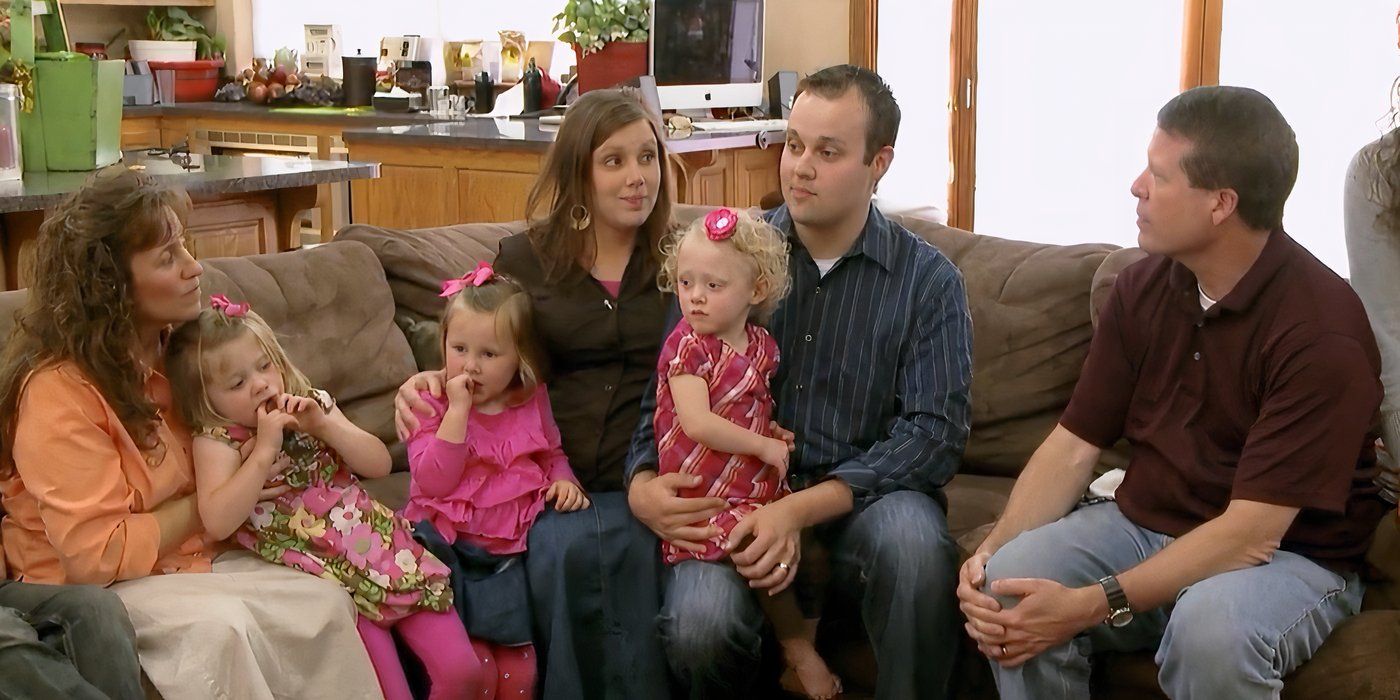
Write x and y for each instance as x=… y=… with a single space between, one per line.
x=595 y=586
x=1235 y=635
x=894 y=560
x=66 y=642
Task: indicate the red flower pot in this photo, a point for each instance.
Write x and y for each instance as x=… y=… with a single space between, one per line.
x=617 y=62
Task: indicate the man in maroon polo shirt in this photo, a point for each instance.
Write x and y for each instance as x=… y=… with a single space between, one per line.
x=1244 y=375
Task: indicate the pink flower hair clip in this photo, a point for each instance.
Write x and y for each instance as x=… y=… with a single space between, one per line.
x=720 y=223
x=481 y=275
x=221 y=303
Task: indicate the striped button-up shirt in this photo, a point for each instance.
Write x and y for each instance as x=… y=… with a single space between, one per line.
x=876 y=368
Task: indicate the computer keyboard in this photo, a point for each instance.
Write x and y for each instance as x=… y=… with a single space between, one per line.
x=742 y=125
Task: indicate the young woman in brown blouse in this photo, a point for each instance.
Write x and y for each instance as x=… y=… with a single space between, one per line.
x=600 y=208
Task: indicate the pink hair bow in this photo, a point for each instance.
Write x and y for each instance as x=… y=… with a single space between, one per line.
x=719 y=224
x=221 y=304
x=481 y=275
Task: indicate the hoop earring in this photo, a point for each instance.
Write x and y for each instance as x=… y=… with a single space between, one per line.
x=581 y=221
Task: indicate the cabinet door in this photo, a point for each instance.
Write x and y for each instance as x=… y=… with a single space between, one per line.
x=140 y=132
x=492 y=196
x=218 y=229
x=755 y=176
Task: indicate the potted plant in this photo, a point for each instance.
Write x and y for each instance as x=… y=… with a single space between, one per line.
x=174 y=35
x=609 y=39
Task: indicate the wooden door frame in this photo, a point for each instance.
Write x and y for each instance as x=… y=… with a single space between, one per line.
x=1200 y=43
x=865 y=33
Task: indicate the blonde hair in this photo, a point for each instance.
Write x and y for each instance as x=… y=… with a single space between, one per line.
x=187 y=354
x=765 y=247
x=514 y=311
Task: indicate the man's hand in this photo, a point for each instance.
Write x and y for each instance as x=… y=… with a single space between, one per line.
x=766 y=545
x=407 y=401
x=978 y=607
x=1048 y=614
x=780 y=433
x=654 y=501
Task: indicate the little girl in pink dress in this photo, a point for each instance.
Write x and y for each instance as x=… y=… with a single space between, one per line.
x=714 y=408
x=485 y=464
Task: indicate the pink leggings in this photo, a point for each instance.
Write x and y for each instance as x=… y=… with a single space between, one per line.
x=457 y=666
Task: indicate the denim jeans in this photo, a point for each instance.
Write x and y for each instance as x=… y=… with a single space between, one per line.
x=1234 y=635
x=66 y=642
x=594 y=578
x=894 y=560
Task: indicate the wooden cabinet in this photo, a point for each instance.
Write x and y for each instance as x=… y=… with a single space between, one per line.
x=421 y=187
x=140 y=132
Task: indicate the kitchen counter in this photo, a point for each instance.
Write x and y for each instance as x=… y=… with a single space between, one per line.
x=240 y=205
x=206 y=175
x=530 y=136
x=359 y=117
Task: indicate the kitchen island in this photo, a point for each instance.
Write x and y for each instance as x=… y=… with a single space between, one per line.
x=242 y=205
x=481 y=170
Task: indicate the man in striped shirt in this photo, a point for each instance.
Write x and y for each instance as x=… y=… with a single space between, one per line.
x=873 y=383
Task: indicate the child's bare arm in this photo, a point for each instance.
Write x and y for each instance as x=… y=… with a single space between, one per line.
x=692 y=397
x=228 y=485
x=363 y=453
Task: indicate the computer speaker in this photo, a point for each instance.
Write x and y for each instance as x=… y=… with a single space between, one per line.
x=781 y=89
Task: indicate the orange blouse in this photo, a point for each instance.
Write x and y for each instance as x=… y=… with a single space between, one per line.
x=80 y=498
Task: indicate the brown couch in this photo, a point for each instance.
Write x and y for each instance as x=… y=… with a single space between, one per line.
x=359 y=316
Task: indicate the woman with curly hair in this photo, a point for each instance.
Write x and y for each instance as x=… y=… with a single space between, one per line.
x=95 y=466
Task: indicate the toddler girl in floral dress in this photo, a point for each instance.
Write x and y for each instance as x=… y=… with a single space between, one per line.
x=276 y=466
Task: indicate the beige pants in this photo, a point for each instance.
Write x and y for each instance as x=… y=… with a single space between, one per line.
x=250 y=630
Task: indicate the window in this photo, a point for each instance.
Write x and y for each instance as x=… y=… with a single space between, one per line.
x=1329 y=67
x=1068 y=95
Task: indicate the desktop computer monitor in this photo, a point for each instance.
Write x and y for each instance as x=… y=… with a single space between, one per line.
x=707 y=53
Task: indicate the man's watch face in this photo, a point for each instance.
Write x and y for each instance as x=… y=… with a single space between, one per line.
x=1120 y=617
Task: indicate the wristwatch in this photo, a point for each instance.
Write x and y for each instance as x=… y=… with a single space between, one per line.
x=1120 y=612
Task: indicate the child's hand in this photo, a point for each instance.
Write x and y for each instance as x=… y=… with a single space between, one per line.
x=566 y=496
x=281 y=464
x=459 y=391
x=310 y=416
x=271 y=426
x=775 y=453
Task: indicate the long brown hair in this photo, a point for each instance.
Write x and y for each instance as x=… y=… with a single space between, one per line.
x=80 y=305
x=565 y=182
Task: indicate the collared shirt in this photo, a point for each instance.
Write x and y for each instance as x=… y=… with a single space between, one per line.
x=602 y=353
x=1268 y=396
x=876 y=365
x=80 y=498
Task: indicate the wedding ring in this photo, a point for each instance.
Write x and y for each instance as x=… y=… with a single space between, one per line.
x=1003 y=650
x=783 y=565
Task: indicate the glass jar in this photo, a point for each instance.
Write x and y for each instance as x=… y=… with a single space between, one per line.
x=11 y=165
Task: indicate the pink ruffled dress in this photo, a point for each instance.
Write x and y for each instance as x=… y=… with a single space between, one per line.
x=488 y=489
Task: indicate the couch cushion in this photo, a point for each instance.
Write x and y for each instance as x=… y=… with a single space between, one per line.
x=416 y=262
x=1031 y=331
x=334 y=314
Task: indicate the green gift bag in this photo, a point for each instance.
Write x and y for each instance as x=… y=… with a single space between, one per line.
x=77 y=115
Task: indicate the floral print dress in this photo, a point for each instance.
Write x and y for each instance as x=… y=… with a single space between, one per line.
x=328 y=526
